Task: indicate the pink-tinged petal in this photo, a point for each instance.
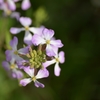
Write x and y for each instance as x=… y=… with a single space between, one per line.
x=57 y=69
x=25 y=21
x=28 y=38
x=48 y=33
x=49 y=50
x=13 y=43
x=25 y=81
x=15 y=15
x=35 y=30
x=38 y=84
x=9 y=55
x=11 y=5
x=29 y=71
x=62 y=57
x=14 y=30
x=42 y=73
x=23 y=50
x=26 y=4
x=6 y=65
x=56 y=43
x=17 y=74
x=36 y=40
x=48 y=63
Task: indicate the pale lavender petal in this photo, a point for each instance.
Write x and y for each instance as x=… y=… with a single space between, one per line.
x=25 y=21
x=11 y=5
x=57 y=69
x=48 y=63
x=42 y=73
x=62 y=57
x=13 y=43
x=48 y=33
x=56 y=43
x=38 y=84
x=37 y=30
x=17 y=74
x=25 y=81
x=26 y=4
x=14 y=30
x=36 y=40
x=6 y=65
x=29 y=71
x=23 y=50
x=28 y=38
x=9 y=55
x=17 y=58
x=15 y=15
x=50 y=51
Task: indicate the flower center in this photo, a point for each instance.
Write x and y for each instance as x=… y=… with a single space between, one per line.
x=33 y=78
x=26 y=28
x=8 y=12
x=47 y=41
x=12 y=66
x=16 y=52
x=57 y=59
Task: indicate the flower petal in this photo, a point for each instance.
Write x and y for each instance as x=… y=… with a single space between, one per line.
x=62 y=57
x=14 y=30
x=9 y=55
x=38 y=84
x=25 y=81
x=25 y=21
x=28 y=38
x=26 y=4
x=48 y=63
x=36 y=40
x=48 y=33
x=15 y=15
x=42 y=73
x=6 y=65
x=57 y=69
x=29 y=71
x=13 y=43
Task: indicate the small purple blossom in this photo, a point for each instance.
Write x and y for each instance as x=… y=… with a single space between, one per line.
x=47 y=38
x=58 y=58
x=42 y=73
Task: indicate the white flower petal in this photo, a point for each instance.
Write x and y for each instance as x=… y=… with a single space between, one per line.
x=57 y=69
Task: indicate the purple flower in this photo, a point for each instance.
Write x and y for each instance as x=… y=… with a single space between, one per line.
x=26 y=22
x=14 y=53
x=47 y=38
x=42 y=73
x=13 y=69
x=58 y=58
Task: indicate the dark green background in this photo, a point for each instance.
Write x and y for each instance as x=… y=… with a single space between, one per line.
x=77 y=24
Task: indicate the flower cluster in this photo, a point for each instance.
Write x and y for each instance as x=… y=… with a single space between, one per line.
x=41 y=49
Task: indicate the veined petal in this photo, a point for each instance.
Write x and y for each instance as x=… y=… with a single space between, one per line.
x=57 y=69
x=62 y=57
x=25 y=21
x=48 y=33
x=28 y=38
x=29 y=71
x=36 y=40
x=56 y=43
x=14 y=30
x=23 y=50
x=49 y=50
x=25 y=81
x=48 y=63
x=38 y=84
x=11 y=5
x=42 y=73
x=6 y=65
x=13 y=43
x=26 y=4
x=35 y=30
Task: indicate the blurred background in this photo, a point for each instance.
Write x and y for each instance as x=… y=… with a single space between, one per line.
x=77 y=24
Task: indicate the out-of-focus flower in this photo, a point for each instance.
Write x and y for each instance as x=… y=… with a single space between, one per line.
x=26 y=22
x=58 y=58
x=14 y=53
x=47 y=38
x=13 y=69
x=42 y=73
